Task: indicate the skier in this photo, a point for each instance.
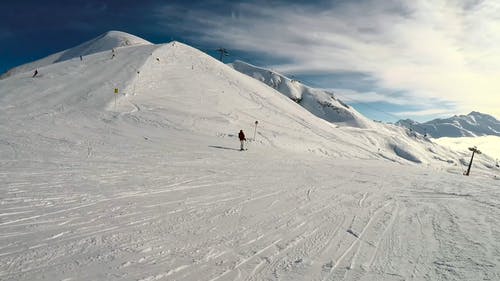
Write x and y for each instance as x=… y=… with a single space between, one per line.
x=241 y=135
x=36 y=73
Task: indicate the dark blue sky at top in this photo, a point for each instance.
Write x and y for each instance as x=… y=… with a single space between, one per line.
x=30 y=30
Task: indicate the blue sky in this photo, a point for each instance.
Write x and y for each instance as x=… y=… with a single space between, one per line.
x=390 y=59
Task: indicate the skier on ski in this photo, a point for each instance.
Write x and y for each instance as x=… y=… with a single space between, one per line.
x=35 y=73
x=241 y=135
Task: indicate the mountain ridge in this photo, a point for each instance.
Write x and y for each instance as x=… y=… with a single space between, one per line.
x=104 y=42
x=470 y=125
x=321 y=103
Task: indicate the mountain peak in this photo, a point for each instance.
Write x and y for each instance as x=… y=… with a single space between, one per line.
x=117 y=39
x=476 y=113
x=104 y=42
x=472 y=124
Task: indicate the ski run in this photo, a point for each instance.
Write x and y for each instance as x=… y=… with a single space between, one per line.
x=148 y=183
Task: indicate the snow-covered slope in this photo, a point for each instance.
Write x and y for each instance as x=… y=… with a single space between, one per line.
x=470 y=125
x=104 y=42
x=319 y=102
x=389 y=140
x=176 y=86
x=147 y=184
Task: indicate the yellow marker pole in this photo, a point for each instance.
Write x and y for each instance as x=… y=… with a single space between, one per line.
x=116 y=93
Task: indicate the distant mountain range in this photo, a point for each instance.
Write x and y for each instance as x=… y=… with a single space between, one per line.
x=325 y=105
x=470 y=125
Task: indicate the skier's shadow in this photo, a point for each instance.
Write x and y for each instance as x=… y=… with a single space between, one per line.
x=223 y=147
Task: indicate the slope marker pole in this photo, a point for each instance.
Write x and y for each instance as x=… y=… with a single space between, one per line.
x=255 y=131
x=116 y=93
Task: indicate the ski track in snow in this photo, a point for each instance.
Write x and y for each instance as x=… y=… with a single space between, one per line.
x=186 y=223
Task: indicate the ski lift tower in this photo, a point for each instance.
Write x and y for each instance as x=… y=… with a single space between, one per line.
x=474 y=150
x=223 y=53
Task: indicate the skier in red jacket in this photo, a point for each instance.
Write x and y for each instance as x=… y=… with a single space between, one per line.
x=241 y=135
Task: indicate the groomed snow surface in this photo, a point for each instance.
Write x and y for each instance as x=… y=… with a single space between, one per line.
x=208 y=212
x=152 y=186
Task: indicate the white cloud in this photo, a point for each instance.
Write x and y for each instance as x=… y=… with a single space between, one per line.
x=431 y=49
x=425 y=112
x=370 y=97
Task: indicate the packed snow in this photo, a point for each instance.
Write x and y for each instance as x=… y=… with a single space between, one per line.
x=147 y=183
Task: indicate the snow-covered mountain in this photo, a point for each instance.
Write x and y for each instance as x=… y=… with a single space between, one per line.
x=104 y=42
x=186 y=89
x=195 y=93
x=319 y=102
x=470 y=125
x=323 y=104
x=146 y=183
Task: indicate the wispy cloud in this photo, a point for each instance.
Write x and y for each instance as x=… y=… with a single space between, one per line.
x=441 y=49
x=425 y=112
x=371 y=97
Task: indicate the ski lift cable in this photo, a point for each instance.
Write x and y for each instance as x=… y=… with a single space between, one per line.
x=379 y=110
x=369 y=106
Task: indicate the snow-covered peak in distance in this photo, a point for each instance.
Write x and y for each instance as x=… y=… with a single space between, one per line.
x=104 y=42
x=319 y=102
x=470 y=125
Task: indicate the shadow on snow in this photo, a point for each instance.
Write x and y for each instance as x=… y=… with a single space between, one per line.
x=223 y=147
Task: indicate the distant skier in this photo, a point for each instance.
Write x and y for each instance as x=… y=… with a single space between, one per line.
x=35 y=73
x=241 y=135
x=81 y=58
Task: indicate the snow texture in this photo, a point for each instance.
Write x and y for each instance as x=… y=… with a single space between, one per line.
x=147 y=183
